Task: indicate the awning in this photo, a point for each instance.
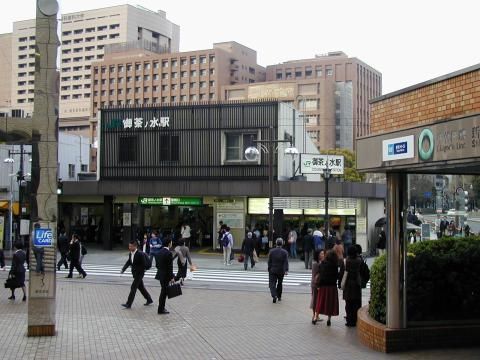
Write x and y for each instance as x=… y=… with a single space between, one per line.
x=5 y=205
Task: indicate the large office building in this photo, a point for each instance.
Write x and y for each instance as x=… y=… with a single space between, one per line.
x=332 y=90
x=17 y=61
x=140 y=77
x=84 y=38
x=85 y=35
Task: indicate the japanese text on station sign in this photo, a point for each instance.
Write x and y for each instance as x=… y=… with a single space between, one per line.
x=316 y=163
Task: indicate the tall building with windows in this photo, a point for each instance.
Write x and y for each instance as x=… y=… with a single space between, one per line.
x=332 y=91
x=139 y=77
x=5 y=74
x=22 y=74
x=84 y=37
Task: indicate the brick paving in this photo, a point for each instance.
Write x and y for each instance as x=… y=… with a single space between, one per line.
x=202 y=324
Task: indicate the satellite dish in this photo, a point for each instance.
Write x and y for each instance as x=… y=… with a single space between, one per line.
x=48 y=7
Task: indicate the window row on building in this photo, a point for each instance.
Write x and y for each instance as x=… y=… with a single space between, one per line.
x=154 y=100
x=304 y=72
x=90 y=29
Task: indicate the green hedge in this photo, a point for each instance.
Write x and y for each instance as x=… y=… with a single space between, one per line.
x=443 y=281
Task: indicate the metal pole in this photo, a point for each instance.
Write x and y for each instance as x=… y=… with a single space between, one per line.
x=10 y=243
x=327 y=220
x=270 y=188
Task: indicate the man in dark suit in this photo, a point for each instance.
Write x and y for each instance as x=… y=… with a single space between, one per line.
x=136 y=259
x=75 y=253
x=164 y=264
x=277 y=269
x=63 y=248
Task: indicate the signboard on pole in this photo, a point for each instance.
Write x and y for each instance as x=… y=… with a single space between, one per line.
x=24 y=227
x=316 y=163
x=43 y=237
x=2 y=227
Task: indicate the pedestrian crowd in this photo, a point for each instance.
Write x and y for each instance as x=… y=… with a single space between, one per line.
x=334 y=261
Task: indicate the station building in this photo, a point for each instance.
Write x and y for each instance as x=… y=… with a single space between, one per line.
x=160 y=166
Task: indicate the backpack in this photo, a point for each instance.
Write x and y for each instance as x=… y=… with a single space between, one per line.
x=318 y=242
x=226 y=240
x=148 y=261
x=364 y=274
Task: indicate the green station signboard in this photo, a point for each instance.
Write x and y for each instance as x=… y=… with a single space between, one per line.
x=166 y=201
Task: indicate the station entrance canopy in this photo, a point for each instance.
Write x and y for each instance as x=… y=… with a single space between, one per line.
x=448 y=147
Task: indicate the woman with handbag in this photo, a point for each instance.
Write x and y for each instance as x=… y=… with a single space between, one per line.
x=319 y=256
x=17 y=271
x=327 y=298
x=352 y=287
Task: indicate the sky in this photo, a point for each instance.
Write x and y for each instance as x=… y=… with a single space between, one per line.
x=407 y=41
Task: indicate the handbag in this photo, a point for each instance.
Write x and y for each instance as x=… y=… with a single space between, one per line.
x=174 y=290
x=11 y=282
x=344 y=280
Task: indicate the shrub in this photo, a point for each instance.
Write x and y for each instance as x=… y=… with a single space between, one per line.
x=378 y=290
x=443 y=281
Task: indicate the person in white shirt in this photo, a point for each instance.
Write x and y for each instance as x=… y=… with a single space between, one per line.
x=185 y=234
x=292 y=243
x=227 y=243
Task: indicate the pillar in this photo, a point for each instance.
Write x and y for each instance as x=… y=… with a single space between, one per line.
x=107 y=222
x=396 y=250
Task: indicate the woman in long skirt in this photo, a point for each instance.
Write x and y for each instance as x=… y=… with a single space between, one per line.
x=327 y=298
x=319 y=256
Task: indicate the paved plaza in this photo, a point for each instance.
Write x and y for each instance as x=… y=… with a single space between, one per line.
x=204 y=323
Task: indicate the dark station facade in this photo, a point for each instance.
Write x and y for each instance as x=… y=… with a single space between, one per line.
x=160 y=167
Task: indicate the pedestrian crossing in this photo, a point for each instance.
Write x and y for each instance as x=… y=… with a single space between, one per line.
x=202 y=275
x=258 y=277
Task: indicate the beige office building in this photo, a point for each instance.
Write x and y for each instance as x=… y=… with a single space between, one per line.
x=17 y=63
x=5 y=74
x=140 y=77
x=84 y=37
x=332 y=90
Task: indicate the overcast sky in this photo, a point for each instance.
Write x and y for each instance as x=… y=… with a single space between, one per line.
x=407 y=41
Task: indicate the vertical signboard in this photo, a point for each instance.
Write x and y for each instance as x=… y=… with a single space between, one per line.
x=2 y=227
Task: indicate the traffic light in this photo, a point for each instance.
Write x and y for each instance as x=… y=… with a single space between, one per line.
x=59 y=187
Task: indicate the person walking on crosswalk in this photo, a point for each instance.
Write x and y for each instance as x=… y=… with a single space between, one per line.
x=277 y=269
x=137 y=260
x=164 y=264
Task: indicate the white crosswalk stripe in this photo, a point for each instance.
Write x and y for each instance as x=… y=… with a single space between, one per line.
x=203 y=275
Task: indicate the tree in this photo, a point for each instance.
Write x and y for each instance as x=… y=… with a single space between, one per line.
x=350 y=164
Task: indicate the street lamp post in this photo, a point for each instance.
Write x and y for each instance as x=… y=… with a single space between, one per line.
x=10 y=238
x=326 y=176
x=252 y=154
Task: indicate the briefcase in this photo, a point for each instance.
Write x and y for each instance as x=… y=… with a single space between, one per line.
x=174 y=290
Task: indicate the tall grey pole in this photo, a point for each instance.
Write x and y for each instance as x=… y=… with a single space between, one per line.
x=271 y=147
x=396 y=248
x=327 y=219
x=44 y=204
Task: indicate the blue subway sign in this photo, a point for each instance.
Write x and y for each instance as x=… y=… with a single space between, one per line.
x=43 y=237
x=398 y=148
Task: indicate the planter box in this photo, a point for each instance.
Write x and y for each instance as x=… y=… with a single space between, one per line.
x=380 y=338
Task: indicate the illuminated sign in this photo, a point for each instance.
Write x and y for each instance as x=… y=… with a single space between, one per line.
x=167 y=201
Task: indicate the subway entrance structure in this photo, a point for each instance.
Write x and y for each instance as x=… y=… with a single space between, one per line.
x=430 y=128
